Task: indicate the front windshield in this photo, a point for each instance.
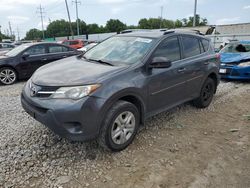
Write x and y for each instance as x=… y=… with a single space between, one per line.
x=120 y=50
x=236 y=48
x=17 y=50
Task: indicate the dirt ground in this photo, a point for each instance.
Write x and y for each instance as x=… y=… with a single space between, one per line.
x=185 y=147
x=195 y=148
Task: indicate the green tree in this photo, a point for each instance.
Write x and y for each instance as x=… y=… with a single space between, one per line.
x=58 y=28
x=198 y=22
x=34 y=34
x=115 y=26
x=178 y=23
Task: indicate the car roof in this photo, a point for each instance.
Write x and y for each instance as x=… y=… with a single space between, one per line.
x=162 y=33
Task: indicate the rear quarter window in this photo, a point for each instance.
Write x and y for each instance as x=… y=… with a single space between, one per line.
x=205 y=44
x=191 y=46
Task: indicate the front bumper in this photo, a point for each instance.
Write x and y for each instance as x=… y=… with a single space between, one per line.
x=75 y=120
x=236 y=72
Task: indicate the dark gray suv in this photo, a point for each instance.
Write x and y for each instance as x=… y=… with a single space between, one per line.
x=108 y=92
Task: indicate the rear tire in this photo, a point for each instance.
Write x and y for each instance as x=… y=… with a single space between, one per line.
x=8 y=76
x=206 y=94
x=119 y=127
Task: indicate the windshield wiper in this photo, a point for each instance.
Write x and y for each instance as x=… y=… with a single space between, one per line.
x=101 y=61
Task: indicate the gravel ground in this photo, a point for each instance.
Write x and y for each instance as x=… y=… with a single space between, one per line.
x=164 y=154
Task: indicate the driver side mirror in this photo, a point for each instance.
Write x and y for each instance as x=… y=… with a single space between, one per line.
x=25 y=56
x=160 y=62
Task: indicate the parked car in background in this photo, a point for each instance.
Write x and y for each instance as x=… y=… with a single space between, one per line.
x=87 y=47
x=6 y=46
x=109 y=92
x=235 y=60
x=22 y=61
x=74 y=43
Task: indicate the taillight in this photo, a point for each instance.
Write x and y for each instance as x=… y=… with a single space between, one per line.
x=218 y=56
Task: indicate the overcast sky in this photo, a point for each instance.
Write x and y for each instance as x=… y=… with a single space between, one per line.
x=22 y=13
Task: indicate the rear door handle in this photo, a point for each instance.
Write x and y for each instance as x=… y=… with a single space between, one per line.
x=181 y=70
x=44 y=59
x=65 y=56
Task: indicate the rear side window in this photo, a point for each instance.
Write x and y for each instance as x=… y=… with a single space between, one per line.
x=170 y=49
x=205 y=44
x=74 y=42
x=57 y=49
x=191 y=46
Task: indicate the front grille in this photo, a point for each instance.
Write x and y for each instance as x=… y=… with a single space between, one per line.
x=42 y=91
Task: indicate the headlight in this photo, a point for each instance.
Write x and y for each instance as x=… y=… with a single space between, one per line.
x=245 y=64
x=74 y=92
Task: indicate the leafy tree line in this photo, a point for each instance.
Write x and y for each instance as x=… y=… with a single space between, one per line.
x=61 y=28
x=2 y=36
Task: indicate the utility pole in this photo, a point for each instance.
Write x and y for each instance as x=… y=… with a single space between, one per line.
x=77 y=19
x=10 y=29
x=41 y=12
x=70 y=25
x=195 y=9
x=18 y=34
x=161 y=16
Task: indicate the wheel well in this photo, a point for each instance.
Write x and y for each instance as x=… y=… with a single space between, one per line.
x=215 y=79
x=134 y=100
x=8 y=66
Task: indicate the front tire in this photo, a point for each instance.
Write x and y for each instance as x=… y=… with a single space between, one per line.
x=8 y=76
x=120 y=126
x=206 y=94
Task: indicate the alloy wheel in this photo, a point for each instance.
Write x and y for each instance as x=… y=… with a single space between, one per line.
x=7 y=76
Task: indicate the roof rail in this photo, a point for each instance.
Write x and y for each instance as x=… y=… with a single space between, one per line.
x=134 y=30
x=183 y=31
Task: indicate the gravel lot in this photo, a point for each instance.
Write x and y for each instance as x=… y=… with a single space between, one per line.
x=186 y=147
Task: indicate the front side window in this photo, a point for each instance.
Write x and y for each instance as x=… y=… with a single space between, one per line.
x=121 y=50
x=36 y=50
x=170 y=49
x=191 y=46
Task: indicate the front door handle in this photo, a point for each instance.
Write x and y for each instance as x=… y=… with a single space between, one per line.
x=44 y=59
x=181 y=70
x=206 y=63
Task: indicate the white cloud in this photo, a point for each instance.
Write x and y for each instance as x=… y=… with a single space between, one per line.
x=115 y=10
x=227 y=21
x=246 y=7
x=18 y=19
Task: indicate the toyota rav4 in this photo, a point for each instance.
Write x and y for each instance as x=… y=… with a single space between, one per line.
x=108 y=92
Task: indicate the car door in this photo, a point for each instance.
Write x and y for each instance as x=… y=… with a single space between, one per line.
x=33 y=58
x=57 y=52
x=195 y=62
x=167 y=87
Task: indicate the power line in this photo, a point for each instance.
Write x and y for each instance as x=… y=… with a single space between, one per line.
x=77 y=19
x=41 y=12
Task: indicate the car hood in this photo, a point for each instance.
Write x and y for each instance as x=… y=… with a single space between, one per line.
x=73 y=71
x=234 y=57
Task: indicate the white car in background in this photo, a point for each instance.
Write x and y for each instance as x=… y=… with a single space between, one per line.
x=87 y=47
